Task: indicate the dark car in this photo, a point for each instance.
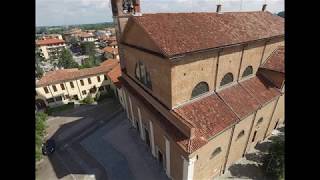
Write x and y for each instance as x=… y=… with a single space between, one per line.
x=48 y=147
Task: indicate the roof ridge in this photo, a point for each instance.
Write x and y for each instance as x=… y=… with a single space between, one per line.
x=150 y=37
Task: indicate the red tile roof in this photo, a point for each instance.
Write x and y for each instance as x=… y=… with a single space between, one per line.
x=210 y=115
x=111 y=50
x=63 y=75
x=114 y=75
x=261 y=89
x=49 y=41
x=239 y=100
x=200 y=31
x=275 y=61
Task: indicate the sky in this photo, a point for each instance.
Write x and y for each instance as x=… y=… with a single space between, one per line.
x=67 y=12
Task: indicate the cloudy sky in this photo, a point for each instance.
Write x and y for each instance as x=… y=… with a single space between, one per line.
x=64 y=12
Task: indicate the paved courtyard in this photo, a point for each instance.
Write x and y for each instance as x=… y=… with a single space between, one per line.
x=97 y=142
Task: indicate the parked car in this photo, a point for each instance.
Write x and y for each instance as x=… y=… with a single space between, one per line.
x=48 y=147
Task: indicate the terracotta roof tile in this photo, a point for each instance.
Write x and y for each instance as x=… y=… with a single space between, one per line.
x=62 y=75
x=275 y=61
x=209 y=114
x=49 y=41
x=239 y=100
x=111 y=50
x=199 y=31
x=261 y=89
x=114 y=75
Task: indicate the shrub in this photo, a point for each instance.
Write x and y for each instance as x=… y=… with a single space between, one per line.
x=88 y=100
x=40 y=132
x=273 y=162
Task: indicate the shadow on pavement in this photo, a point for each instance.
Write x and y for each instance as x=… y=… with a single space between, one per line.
x=250 y=171
x=74 y=161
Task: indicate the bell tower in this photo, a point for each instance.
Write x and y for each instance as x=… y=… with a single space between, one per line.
x=121 y=11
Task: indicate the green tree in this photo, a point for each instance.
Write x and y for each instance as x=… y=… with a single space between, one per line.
x=90 y=62
x=88 y=48
x=273 y=162
x=66 y=60
x=40 y=132
x=281 y=14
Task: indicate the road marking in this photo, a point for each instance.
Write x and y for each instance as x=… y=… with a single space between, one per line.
x=65 y=165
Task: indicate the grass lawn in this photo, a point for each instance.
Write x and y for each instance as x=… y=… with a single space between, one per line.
x=61 y=108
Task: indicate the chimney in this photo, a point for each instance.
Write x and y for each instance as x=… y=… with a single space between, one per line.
x=264 y=7
x=218 y=8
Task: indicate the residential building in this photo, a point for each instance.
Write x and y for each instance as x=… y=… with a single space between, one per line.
x=52 y=36
x=71 y=85
x=73 y=33
x=110 y=53
x=201 y=89
x=50 y=47
x=86 y=37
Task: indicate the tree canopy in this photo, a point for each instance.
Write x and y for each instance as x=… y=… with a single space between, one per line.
x=273 y=162
x=88 y=48
x=66 y=60
x=281 y=14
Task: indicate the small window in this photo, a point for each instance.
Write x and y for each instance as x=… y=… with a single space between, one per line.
x=98 y=78
x=54 y=88
x=259 y=121
x=75 y=97
x=248 y=71
x=240 y=134
x=216 y=152
x=62 y=86
x=46 y=90
x=50 y=100
x=59 y=98
x=81 y=82
x=71 y=84
x=89 y=80
x=84 y=92
x=227 y=79
x=200 y=88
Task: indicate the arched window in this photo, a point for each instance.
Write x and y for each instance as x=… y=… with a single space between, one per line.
x=200 y=88
x=216 y=152
x=240 y=134
x=260 y=121
x=143 y=75
x=228 y=78
x=248 y=71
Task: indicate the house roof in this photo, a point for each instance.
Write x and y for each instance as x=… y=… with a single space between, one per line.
x=85 y=35
x=114 y=75
x=111 y=50
x=275 y=61
x=239 y=100
x=63 y=75
x=205 y=30
x=261 y=89
x=210 y=115
x=49 y=41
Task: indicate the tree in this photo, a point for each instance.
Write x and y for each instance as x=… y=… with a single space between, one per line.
x=90 y=62
x=40 y=132
x=281 y=14
x=273 y=162
x=38 y=59
x=66 y=60
x=88 y=48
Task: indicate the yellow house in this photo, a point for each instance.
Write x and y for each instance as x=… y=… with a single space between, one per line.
x=71 y=85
